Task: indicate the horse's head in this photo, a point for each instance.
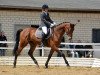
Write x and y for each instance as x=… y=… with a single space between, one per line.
x=69 y=28
x=65 y=27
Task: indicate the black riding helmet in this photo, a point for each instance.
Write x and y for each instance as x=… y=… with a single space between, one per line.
x=45 y=6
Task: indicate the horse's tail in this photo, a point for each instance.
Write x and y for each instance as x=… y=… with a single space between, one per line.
x=17 y=41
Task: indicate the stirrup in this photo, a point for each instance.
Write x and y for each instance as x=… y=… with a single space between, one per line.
x=42 y=44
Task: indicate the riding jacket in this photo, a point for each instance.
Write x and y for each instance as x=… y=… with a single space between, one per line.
x=45 y=19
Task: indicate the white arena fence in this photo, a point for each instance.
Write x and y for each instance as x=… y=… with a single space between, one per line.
x=55 y=61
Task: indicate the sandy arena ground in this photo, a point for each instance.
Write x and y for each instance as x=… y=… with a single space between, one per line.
x=33 y=70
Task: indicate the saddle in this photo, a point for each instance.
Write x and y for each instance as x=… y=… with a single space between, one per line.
x=39 y=32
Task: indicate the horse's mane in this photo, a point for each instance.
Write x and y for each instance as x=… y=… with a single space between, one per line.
x=62 y=23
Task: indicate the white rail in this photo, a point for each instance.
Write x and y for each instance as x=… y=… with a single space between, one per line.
x=55 y=61
x=47 y=48
x=58 y=61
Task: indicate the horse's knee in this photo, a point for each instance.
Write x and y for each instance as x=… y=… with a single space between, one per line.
x=50 y=55
x=61 y=53
x=18 y=51
x=29 y=53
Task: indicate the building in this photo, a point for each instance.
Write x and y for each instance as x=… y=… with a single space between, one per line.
x=15 y=14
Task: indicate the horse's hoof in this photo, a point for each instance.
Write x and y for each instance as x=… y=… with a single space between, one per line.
x=46 y=66
x=14 y=66
x=68 y=65
x=38 y=66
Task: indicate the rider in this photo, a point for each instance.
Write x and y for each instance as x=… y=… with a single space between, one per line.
x=46 y=21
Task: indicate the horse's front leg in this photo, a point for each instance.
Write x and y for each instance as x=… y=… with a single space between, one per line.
x=49 y=56
x=63 y=55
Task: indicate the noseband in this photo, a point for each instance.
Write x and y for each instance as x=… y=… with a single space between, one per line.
x=67 y=30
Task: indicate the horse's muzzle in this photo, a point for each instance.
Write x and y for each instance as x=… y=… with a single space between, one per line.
x=69 y=38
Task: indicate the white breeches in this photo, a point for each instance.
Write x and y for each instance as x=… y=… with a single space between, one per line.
x=44 y=29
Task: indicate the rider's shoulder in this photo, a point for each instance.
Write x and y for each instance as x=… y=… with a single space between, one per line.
x=43 y=13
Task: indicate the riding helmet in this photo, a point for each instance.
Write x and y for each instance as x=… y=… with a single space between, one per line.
x=45 y=6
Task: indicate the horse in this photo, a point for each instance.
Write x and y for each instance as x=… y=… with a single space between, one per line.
x=27 y=36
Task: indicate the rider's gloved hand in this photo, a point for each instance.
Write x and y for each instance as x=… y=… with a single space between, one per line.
x=53 y=24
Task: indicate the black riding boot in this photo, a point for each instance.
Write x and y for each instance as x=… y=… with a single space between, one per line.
x=43 y=39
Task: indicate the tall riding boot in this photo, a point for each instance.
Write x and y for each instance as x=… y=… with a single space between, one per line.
x=43 y=39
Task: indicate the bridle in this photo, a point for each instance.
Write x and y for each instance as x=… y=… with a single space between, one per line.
x=67 y=30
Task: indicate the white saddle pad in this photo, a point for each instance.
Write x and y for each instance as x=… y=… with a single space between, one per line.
x=38 y=33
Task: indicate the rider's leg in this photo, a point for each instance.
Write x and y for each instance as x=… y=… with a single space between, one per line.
x=44 y=29
x=43 y=37
x=44 y=33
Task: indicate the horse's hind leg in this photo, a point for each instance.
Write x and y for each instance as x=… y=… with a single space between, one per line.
x=18 y=52
x=16 y=55
x=30 y=53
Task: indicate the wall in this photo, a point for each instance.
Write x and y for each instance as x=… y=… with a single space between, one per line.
x=83 y=30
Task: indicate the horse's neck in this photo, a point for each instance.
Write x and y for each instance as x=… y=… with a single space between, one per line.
x=59 y=32
x=60 y=29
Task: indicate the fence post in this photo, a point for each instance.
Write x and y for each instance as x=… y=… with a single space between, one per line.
x=42 y=51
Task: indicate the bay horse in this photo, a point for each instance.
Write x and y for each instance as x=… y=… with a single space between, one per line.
x=27 y=36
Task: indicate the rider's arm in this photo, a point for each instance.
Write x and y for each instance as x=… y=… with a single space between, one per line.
x=50 y=19
x=44 y=20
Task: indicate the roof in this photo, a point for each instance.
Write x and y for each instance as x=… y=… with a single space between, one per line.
x=53 y=4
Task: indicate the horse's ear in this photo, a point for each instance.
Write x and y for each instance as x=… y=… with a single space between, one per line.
x=72 y=25
x=77 y=22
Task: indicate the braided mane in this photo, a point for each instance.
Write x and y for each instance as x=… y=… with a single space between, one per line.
x=62 y=23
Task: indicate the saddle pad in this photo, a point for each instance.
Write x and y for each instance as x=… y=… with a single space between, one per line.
x=38 y=33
